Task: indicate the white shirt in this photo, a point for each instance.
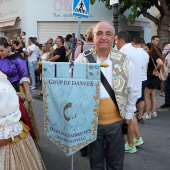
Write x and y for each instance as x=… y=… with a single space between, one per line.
x=38 y=51
x=44 y=56
x=132 y=90
x=167 y=61
x=54 y=46
x=23 y=39
x=145 y=60
x=33 y=56
x=133 y=54
x=107 y=71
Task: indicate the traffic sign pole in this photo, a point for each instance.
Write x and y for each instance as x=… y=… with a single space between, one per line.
x=79 y=28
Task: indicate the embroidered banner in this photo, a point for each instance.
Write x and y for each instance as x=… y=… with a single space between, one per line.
x=71 y=104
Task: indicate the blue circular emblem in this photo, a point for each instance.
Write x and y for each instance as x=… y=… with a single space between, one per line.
x=91 y=67
x=116 y=77
x=97 y=66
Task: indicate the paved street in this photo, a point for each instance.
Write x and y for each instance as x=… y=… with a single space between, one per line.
x=154 y=154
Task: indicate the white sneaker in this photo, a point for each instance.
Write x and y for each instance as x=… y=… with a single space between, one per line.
x=146 y=116
x=154 y=114
x=32 y=88
x=162 y=94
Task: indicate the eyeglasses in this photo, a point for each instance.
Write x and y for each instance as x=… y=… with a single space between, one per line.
x=43 y=46
x=100 y=34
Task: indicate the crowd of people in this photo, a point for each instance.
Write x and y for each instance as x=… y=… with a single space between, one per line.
x=132 y=73
x=33 y=52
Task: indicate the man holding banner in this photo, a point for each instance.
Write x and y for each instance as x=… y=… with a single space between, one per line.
x=119 y=75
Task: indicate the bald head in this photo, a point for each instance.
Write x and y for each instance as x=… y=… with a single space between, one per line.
x=104 y=24
x=103 y=38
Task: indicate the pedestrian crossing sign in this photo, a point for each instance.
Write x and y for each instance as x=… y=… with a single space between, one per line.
x=81 y=8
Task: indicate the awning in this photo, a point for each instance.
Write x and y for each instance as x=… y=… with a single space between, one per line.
x=140 y=22
x=8 y=22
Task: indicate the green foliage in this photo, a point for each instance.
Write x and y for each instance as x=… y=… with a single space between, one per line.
x=92 y=1
x=107 y=3
x=136 y=7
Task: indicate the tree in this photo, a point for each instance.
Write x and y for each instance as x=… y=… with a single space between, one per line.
x=138 y=7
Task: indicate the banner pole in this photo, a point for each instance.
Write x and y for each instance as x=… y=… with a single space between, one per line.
x=72 y=162
x=72 y=50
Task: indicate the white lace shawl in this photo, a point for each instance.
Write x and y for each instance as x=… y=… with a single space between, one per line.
x=9 y=125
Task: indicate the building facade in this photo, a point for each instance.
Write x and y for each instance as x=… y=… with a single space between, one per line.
x=47 y=19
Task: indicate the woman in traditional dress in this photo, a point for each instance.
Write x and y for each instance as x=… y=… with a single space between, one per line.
x=17 y=148
x=14 y=66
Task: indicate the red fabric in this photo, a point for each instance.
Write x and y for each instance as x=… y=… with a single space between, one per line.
x=25 y=117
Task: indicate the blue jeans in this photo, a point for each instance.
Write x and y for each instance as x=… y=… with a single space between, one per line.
x=109 y=146
x=167 y=89
x=31 y=67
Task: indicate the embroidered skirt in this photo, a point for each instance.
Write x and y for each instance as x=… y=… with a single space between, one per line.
x=21 y=154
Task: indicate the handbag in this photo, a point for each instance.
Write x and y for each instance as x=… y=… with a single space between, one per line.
x=163 y=72
x=38 y=68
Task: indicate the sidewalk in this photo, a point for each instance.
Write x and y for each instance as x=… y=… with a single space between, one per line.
x=153 y=154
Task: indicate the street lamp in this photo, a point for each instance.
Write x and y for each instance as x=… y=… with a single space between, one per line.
x=115 y=17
